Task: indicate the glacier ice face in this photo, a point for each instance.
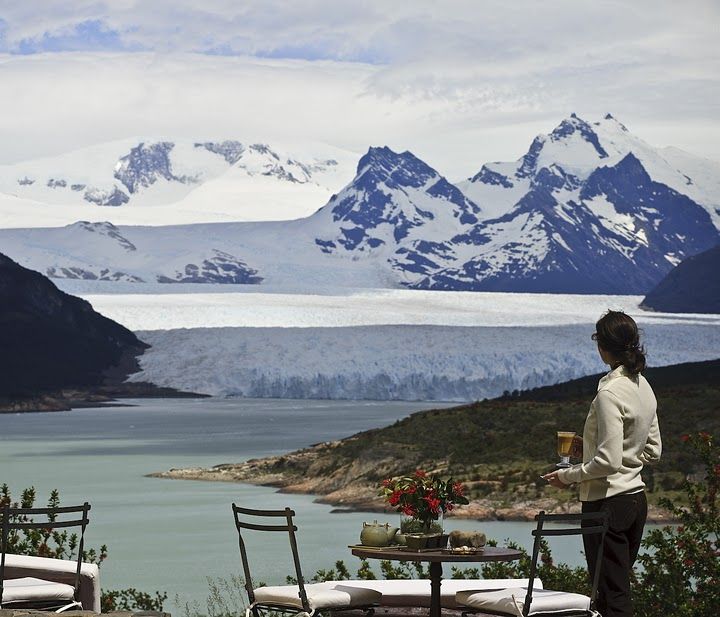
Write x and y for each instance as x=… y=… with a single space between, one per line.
x=393 y=362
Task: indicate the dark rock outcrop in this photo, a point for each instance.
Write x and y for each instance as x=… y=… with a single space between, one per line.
x=51 y=340
x=693 y=286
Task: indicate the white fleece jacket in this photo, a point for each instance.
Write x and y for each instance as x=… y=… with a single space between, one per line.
x=621 y=435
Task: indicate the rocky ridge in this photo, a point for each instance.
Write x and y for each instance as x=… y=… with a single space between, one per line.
x=693 y=286
x=52 y=340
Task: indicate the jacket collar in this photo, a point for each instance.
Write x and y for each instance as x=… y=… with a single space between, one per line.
x=620 y=371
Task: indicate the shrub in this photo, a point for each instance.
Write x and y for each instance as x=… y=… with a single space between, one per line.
x=44 y=542
x=680 y=571
x=61 y=545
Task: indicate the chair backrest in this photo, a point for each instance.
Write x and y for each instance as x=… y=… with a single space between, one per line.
x=288 y=527
x=16 y=519
x=585 y=524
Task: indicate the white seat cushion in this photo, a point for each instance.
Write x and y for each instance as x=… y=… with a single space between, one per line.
x=416 y=592
x=512 y=601
x=60 y=571
x=331 y=594
x=30 y=589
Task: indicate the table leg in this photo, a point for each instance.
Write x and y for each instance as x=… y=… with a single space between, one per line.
x=435 y=582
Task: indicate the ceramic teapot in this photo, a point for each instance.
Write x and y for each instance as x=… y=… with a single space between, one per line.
x=374 y=534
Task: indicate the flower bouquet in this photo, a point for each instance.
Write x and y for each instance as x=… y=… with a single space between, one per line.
x=423 y=500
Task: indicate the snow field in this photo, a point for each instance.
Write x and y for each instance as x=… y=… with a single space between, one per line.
x=246 y=306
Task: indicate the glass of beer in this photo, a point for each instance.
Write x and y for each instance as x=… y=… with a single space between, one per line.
x=564 y=447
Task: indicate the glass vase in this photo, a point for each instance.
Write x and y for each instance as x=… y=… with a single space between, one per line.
x=415 y=525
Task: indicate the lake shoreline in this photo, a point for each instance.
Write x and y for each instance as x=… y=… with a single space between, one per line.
x=495 y=447
x=362 y=497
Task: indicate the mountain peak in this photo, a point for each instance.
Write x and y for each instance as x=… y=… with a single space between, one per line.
x=610 y=118
x=574 y=125
x=627 y=173
x=392 y=194
x=384 y=155
x=381 y=164
x=631 y=166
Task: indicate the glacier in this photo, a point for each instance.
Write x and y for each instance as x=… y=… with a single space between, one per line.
x=381 y=344
x=394 y=362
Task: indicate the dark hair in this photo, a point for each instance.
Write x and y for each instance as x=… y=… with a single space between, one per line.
x=617 y=333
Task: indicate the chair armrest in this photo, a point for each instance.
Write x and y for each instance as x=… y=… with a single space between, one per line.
x=59 y=571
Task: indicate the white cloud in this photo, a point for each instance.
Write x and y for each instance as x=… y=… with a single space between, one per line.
x=457 y=82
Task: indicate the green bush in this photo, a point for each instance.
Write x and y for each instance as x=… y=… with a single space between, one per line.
x=61 y=545
x=44 y=542
x=679 y=573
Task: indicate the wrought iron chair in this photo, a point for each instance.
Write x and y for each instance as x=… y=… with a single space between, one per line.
x=302 y=598
x=37 y=593
x=542 y=602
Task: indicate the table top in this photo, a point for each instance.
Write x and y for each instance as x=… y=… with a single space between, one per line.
x=490 y=553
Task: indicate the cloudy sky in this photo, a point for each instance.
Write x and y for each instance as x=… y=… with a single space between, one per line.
x=458 y=83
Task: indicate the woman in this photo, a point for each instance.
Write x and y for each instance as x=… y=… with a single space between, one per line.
x=621 y=435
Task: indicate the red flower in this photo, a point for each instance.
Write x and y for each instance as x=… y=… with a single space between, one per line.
x=421 y=495
x=688 y=563
x=684 y=437
x=433 y=503
x=706 y=437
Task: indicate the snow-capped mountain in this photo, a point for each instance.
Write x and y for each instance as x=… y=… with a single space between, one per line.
x=582 y=217
x=577 y=148
x=161 y=181
x=584 y=212
x=616 y=232
x=588 y=209
x=104 y=252
x=394 y=202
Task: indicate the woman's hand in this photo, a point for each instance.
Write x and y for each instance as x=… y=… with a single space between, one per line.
x=553 y=480
x=577 y=447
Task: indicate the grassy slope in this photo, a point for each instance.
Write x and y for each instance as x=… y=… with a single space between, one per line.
x=500 y=446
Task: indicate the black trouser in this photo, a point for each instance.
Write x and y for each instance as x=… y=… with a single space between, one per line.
x=622 y=542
